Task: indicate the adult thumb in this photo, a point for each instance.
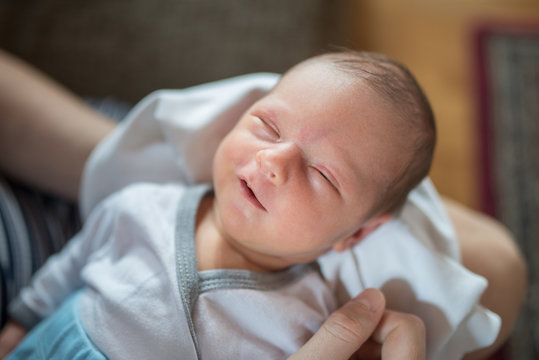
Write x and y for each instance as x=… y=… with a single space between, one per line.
x=345 y=330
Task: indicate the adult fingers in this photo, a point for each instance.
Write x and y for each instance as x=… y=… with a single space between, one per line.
x=346 y=329
x=402 y=336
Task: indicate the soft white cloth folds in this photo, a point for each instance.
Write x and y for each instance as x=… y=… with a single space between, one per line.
x=171 y=136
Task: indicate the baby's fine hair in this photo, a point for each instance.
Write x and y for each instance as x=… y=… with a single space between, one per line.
x=414 y=117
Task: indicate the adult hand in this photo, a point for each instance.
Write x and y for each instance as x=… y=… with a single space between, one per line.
x=363 y=329
x=10 y=337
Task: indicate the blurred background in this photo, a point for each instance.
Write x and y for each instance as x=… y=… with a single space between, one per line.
x=478 y=61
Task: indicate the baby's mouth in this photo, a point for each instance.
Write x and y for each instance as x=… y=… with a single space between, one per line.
x=248 y=192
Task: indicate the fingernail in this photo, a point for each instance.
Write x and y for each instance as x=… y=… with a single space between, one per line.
x=372 y=299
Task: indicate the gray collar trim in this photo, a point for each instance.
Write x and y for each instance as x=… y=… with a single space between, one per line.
x=244 y=279
x=191 y=282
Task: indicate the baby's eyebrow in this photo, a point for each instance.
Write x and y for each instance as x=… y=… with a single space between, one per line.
x=332 y=165
x=270 y=109
x=346 y=171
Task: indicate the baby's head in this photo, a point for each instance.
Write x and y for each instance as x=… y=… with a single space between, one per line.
x=324 y=158
x=410 y=122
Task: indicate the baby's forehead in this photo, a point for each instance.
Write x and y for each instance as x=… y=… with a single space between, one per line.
x=312 y=69
x=334 y=100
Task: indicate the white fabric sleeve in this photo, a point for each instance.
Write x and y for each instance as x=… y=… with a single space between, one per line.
x=419 y=280
x=60 y=276
x=170 y=136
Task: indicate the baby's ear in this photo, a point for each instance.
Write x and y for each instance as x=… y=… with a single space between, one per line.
x=362 y=232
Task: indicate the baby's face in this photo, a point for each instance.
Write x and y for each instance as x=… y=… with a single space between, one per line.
x=304 y=165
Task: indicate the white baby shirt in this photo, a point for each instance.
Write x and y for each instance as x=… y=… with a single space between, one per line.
x=171 y=136
x=143 y=298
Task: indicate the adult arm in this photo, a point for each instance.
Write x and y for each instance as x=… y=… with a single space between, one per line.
x=46 y=133
x=488 y=249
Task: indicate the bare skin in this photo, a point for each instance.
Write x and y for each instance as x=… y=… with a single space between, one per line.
x=40 y=120
x=363 y=323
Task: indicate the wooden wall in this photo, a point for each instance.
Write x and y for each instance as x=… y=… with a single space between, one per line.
x=435 y=39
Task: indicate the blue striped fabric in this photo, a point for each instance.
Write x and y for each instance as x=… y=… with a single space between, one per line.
x=33 y=226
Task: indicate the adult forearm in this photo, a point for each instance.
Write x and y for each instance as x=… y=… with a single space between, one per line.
x=46 y=133
x=488 y=249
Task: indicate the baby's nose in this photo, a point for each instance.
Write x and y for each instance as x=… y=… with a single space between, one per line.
x=277 y=162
